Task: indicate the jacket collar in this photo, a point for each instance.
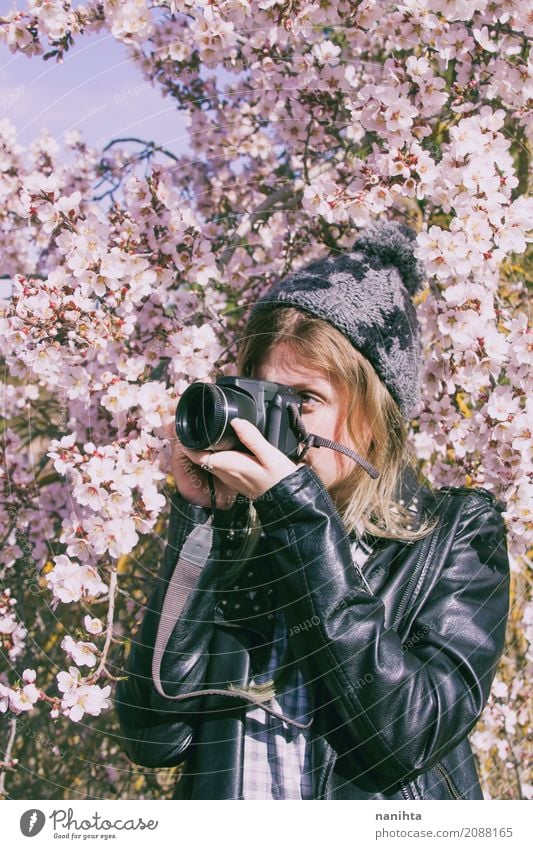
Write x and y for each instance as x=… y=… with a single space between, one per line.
x=413 y=493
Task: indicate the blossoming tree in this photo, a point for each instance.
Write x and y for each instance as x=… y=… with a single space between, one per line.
x=306 y=121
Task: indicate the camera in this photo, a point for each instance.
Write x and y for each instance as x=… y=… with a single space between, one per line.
x=205 y=411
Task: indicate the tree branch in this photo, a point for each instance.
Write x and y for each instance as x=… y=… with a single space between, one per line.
x=276 y=197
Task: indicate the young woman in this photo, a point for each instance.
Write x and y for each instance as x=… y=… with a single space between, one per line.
x=325 y=632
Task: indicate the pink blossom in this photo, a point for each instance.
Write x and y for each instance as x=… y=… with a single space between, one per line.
x=82 y=653
x=29 y=675
x=85 y=698
x=92 y=625
x=326 y=52
x=65 y=580
x=23 y=699
x=502 y=404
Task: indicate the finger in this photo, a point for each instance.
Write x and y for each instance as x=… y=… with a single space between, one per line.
x=252 y=437
x=221 y=462
x=197 y=456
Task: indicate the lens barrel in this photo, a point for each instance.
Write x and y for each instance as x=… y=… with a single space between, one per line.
x=201 y=415
x=204 y=413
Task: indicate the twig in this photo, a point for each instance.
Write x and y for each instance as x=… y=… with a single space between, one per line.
x=148 y=144
x=109 y=629
x=7 y=753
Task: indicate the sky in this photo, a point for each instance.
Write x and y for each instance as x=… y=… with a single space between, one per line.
x=96 y=89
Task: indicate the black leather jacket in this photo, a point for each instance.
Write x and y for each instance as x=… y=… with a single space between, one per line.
x=399 y=660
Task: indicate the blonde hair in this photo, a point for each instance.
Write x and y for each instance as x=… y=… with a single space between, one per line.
x=362 y=502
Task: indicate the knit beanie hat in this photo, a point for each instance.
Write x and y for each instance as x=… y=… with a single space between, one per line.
x=366 y=294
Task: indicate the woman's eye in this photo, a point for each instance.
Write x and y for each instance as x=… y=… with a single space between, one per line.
x=305 y=395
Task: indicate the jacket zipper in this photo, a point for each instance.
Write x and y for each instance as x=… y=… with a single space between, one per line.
x=406 y=793
x=451 y=786
x=412 y=579
x=364 y=580
x=433 y=539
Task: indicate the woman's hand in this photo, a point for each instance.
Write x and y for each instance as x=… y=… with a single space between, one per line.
x=249 y=475
x=191 y=481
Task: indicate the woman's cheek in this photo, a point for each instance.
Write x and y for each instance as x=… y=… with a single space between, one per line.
x=317 y=419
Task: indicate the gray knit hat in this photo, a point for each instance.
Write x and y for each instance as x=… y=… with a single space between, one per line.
x=366 y=294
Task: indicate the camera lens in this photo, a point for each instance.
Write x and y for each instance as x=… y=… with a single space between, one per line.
x=201 y=415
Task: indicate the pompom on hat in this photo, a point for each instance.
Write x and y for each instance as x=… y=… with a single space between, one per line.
x=366 y=294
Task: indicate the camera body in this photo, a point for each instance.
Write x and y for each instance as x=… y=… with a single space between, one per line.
x=205 y=411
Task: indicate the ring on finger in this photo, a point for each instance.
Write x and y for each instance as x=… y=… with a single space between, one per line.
x=207 y=464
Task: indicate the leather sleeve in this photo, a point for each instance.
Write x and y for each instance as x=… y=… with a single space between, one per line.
x=156 y=732
x=391 y=713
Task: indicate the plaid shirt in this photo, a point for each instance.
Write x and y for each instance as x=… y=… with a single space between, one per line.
x=277 y=755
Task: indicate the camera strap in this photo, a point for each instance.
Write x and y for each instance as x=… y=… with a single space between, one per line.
x=212 y=492
x=311 y=440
